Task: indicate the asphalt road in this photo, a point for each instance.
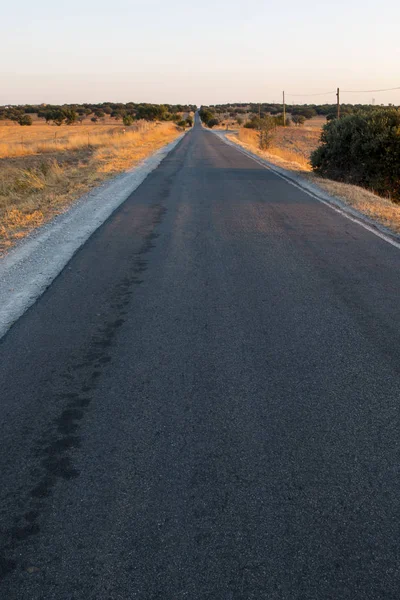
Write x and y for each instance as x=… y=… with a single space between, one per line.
x=204 y=404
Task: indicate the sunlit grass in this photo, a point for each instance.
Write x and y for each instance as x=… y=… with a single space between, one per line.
x=42 y=176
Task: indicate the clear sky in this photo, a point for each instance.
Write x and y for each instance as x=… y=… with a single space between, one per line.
x=204 y=53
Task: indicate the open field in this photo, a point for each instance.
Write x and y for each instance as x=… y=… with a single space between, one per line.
x=291 y=149
x=41 y=138
x=43 y=168
x=293 y=144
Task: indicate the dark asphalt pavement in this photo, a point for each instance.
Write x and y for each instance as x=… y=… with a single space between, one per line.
x=204 y=404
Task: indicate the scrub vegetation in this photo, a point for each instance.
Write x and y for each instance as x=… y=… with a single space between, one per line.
x=364 y=149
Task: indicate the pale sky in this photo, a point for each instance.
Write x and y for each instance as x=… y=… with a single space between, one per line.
x=206 y=53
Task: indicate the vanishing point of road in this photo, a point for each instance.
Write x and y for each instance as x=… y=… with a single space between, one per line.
x=204 y=404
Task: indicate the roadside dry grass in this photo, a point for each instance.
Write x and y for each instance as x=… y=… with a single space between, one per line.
x=44 y=174
x=291 y=144
x=291 y=150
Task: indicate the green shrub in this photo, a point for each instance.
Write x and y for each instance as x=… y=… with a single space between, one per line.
x=298 y=119
x=279 y=121
x=70 y=116
x=267 y=128
x=25 y=120
x=363 y=149
x=127 y=120
x=305 y=112
x=58 y=117
x=212 y=122
x=206 y=115
x=254 y=123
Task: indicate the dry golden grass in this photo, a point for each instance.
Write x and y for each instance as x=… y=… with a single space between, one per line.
x=291 y=149
x=291 y=144
x=16 y=141
x=380 y=209
x=39 y=178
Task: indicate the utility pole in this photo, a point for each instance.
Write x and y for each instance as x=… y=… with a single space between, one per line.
x=284 y=110
x=338 y=103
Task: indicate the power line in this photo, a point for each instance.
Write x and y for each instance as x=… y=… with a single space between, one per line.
x=318 y=94
x=370 y=91
x=344 y=91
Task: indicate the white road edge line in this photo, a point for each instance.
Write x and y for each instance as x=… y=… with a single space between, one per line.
x=342 y=210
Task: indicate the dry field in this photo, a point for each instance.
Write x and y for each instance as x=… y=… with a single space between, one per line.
x=291 y=149
x=291 y=144
x=43 y=168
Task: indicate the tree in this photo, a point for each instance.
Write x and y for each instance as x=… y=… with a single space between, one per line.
x=58 y=117
x=305 y=111
x=189 y=122
x=70 y=116
x=25 y=120
x=206 y=115
x=212 y=122
x=298 y=119
x=118 y=114
x=127 y=120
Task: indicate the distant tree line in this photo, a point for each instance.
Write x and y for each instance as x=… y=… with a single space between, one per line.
x=297 y=111
x=75 y=113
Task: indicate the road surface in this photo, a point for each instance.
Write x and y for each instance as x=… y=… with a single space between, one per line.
x=204 y=404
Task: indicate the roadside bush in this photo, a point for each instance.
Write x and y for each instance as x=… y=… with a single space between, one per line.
x=189 y=122
x=254 y=123
x=212 y=123
x=267 y=128
x=279 y=121
x=362 y=149
x=206 y=115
